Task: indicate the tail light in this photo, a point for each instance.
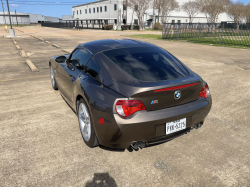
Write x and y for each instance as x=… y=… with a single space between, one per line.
x=127 y=107
x=204 y=92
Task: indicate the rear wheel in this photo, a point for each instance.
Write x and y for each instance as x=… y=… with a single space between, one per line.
x=86 y=125
x=52 y=78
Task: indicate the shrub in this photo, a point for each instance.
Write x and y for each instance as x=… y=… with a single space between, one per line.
x=108 y=27
x=157 y=26
x=136 y=27
x=126 y=27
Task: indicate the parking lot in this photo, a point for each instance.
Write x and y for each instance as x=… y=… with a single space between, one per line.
x=40 y=141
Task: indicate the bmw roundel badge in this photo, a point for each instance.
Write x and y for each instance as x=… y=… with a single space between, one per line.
x=177 y=95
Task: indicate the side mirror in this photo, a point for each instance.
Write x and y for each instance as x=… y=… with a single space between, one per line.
x=60 y=59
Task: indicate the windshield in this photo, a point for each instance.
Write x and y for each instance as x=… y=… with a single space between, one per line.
x=147 y=63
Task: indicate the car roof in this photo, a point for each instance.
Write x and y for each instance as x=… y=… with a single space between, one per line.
x=108 y=44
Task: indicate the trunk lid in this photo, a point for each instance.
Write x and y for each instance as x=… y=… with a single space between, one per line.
x=159 y=99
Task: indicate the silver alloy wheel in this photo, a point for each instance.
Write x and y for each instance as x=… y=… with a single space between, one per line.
x=84 y=121
x=52 y=77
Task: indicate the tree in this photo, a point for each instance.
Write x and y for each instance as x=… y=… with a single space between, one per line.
x=140 y=7
x=192 y=8
x=165 y=7
x=213 y=8
x=236 y=13
x=247 y=13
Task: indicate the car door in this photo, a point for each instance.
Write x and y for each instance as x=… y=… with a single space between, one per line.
x=76 y=63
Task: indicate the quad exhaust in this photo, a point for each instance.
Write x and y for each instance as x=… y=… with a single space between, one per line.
x=198 y=125
x=137 y=145
x=140 y=144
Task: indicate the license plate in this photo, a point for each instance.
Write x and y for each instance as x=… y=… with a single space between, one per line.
x=175 y=126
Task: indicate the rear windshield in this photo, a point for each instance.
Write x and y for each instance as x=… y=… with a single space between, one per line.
x=147 y=63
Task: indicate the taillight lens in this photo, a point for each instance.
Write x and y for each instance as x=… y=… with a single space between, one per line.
x=204 y=92
x=127 y=107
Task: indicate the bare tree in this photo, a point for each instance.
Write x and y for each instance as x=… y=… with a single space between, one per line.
x=192 y=8
x=213 y=8
x=140 y=7
x=236 y=13
x=165 y=7
x=247 y=13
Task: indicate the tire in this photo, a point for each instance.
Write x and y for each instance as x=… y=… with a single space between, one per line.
x=86 y=124
x=52 y=78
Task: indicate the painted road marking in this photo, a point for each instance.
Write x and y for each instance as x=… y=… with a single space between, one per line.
x=24 y=78
x=31 y=65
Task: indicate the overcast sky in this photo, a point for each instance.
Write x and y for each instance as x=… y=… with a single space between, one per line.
x=51 y=8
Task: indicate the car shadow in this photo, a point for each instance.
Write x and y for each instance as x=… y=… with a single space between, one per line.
x=101 y=180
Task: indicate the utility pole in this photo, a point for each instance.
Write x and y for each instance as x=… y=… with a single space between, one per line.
x=12 y=33
x=16 y=18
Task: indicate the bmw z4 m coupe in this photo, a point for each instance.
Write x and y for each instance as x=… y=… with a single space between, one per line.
x=130 y=94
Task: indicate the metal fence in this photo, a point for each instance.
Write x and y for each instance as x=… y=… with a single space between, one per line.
x=210 y=33
x=79 y=24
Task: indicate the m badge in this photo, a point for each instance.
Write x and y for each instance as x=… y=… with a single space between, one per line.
x=154 y=102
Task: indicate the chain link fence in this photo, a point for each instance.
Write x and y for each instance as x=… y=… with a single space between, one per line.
x=80 y=24
x=210 y=33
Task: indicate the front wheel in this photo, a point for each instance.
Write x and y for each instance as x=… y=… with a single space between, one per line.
x=86 y=125
x=52 y=78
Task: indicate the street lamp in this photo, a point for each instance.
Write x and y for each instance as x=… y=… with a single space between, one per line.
x=12 y=32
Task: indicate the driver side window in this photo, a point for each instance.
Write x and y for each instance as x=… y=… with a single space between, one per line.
x=79 y=58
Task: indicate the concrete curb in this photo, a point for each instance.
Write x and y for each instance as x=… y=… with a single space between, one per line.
x=57 y=46
x=66 y=51
x=18 y=47
x=23 y=54
x=31 y=65
x=47 y=42
x=41 y=39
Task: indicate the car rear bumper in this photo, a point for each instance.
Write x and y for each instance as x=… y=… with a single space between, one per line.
x=150 y=127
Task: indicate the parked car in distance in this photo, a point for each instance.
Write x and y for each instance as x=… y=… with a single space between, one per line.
x=130 y=94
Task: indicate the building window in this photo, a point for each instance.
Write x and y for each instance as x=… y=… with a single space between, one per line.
x=136 y=21
x=86 y=11
x=80 y=11
x=93 y=10
x=77 y=12
x=90 y=10
x=100 y=9
x=173 y=21
x=105 y=8
x=179 y=21
x=97 y=9
x=73 y=13
x=115 y=6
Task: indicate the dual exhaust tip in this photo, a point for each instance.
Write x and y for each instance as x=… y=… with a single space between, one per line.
x=198 y=125
x=137 y=145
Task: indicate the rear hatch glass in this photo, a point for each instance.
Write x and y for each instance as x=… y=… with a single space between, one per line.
x=150 y=64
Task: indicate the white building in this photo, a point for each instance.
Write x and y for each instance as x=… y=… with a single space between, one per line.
x=67 y=17
x=25 y=18
x=114 y=10
x=21 y=18
x=36 y=18
x=50 y=19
